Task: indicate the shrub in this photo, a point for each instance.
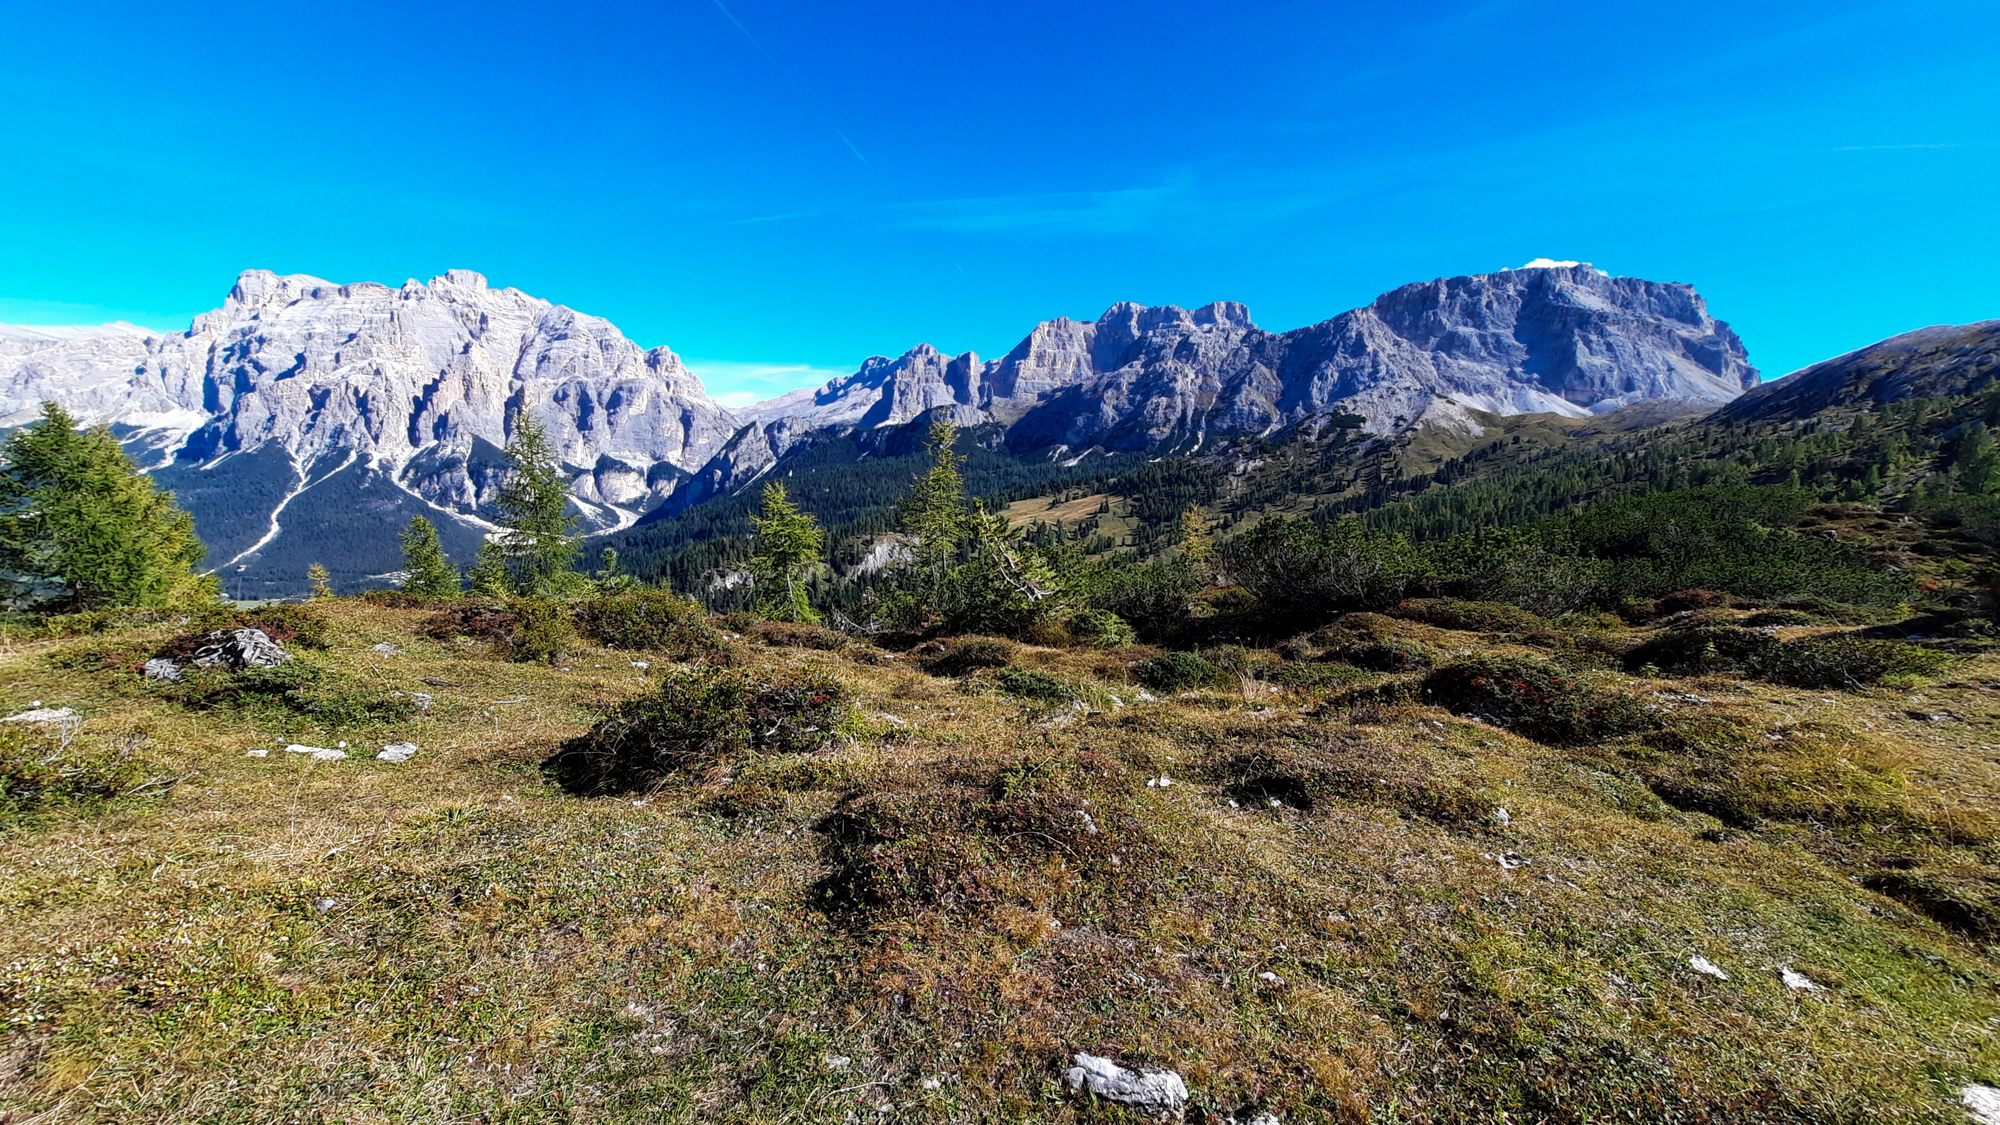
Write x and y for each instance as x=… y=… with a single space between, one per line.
x=648 y=621
x=545 y=634
x=1179 y=671
x=1385 y=656
x=1301 y=568
x=1681 y=601
x=288 y=623
x=1537 y=700
x=701 y=717
x=519 y=629
x=1843 y=661
x=1101 y=628
x=967 y=654
x=799 y=634
x=1471 y=617
x=1027 y=683
x=298 y=687
x=1688 y=652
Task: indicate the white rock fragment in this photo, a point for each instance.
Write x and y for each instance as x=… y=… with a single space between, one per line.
x=837 y=1062
x=258 y=753
x=161 y=669
x=1089 y=825
x=932 y=1082
x=319 y=753
x=641 y=665
x=398 y=752
x=385 y=649
x=1702 y=964
x=1148 y=697
x=1160 y=1093
x=1796 y=981
x=1161 y=782
x=1508 y=861
x=1502 y=817
x=892 y=720
x=41 y=714
x=1269 y=977
x=1982 y=1102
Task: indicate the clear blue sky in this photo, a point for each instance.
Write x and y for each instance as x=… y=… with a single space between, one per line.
x=774 y=188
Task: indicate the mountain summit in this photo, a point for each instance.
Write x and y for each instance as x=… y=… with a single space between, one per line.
x=342 y=409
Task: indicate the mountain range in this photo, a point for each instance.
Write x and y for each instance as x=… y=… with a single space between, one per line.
x=306 y=421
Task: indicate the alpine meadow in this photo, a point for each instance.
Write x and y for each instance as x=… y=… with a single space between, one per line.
x=1458 y=694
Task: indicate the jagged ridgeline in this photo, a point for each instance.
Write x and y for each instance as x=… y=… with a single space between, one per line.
x=309 y=420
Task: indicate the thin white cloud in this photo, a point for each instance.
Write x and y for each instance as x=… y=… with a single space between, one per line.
x=738 y=383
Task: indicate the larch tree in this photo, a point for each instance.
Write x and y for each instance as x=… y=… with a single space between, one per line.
x=789 y=542
x=540 y=541
x=428 y=573
x=82 y=528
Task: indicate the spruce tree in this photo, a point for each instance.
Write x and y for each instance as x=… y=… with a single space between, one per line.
x=540 y=542
x=488 y=574
x=84 y=529
x=934 y=514
x=429 y=573
x=788 y=548
x=321 y=581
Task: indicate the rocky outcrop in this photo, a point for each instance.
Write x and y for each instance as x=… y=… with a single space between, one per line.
x=412 y=385
x=1944 y=361
x=1557 y=337
x=342 y=410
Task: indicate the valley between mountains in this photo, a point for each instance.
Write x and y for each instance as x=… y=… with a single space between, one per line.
x=1493 y=704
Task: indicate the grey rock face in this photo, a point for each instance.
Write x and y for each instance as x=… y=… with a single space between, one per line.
x=1939 y=362
x=364 y=389
x=237 y=649
x=1555 y=337
x=405 y=380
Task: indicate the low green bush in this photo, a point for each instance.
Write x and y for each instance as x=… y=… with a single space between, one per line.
x=648 y=621
x=1102 y=628
x=968 y=654
x=1180 y=671
x=698 y=718
x=1385 y=656
x=1700 y=651
x=800 y=634
x=299 y=688
x=1843 y=660
x=1029 y=683
x=1537 y=700
x=1470 y=616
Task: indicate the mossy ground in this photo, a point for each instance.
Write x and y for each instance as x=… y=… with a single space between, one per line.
x=1314 y=917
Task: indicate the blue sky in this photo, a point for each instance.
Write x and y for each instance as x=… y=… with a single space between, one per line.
x=777 y=190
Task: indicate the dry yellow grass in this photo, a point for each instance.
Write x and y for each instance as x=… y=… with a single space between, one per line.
x=922 y=920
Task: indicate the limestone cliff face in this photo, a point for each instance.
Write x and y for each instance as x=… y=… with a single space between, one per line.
x=1552 y=337
x=301 y=406
x=405 y=380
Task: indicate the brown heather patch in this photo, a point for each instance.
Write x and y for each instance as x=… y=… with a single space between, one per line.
x=454 y=938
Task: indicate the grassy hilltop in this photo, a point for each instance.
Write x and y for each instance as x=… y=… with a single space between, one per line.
x=927 y=875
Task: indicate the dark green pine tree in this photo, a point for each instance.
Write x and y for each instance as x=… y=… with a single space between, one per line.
x=789 y=543
x=85 y=529
x=540 y=542
x=429 y=573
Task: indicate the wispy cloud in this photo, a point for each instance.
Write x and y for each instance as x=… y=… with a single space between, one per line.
x=738 y=383
x=787 y=75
